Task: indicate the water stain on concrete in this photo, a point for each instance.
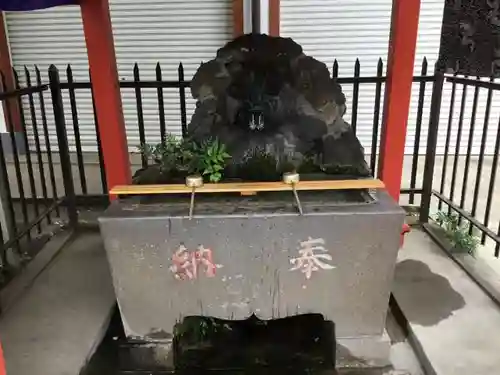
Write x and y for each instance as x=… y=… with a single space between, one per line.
x=427 y=298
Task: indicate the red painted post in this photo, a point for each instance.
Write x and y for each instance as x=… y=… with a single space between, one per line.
x=238 y=18
x=104 y=74
x=3 y=370
x=274 y=17
x=14 y=120
x=400 y=62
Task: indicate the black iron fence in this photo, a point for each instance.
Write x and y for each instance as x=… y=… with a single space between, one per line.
x=358 y=83
x=30 y=202
x=464 y=183
x=355 y=86
x=47 y=167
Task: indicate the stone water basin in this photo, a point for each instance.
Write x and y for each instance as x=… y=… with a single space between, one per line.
x=243 y=256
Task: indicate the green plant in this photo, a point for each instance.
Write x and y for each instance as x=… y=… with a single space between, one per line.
x=211 y=159
x=173 y=156
x=287 y=164
x=179 y=157
x=198 y=329
x=309 y=165
x=459 y=233
x=257 y=164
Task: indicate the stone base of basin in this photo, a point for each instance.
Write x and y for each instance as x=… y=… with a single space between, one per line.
x=366 y=352
x=363 y=352
x=299 y=342
x=147 y=356
x=239 y=257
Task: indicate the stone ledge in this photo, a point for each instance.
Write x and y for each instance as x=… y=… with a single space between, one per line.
x=57 y=324
x=15 y=288
x=364 y=352
x=449 y=317
x=485 y=276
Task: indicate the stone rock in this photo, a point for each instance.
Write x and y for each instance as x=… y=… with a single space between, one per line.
x=211 y=80
x=261 y=46
x=343 y=154
x=149 y=175
x=263 y=92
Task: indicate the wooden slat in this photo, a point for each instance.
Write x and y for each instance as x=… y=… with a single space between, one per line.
x=247 y=187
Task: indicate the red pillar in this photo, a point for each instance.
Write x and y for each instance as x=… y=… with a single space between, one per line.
x=237 y=18
x=274 y=17
x=3 y=371
x=104 y=75
x=14 y=122
x=401 y=57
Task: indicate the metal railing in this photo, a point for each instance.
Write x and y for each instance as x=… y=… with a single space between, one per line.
x=36 y=207
x=37 y=173
x=355 y=84
x=379 y=80
x=447 y=192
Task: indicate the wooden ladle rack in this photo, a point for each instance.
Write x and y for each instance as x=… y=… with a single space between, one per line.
x=291 y=181
x=248 y=188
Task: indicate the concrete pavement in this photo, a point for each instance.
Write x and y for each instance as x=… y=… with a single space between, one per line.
x=55 y=326
x=451 y=319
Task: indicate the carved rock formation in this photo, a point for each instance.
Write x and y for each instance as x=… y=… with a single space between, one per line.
x=263 y=92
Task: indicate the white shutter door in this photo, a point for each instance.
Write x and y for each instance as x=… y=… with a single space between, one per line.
x=350 y=29
x=146 y=32
x=53 y=36
x=339 y=29
x=343 y=30
x=168 y=32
